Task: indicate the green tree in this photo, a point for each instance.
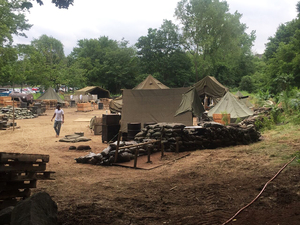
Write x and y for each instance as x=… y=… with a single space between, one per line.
x=107 y=63
x=215 y=38
x=161 y=54
x=282 y=56
x=12 y=22
x=53 y=69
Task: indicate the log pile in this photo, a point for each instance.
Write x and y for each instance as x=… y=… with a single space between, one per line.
x=176 y=137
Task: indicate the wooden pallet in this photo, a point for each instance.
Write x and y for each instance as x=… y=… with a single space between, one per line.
x=18 y=174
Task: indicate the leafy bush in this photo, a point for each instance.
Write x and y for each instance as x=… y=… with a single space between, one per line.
x=247 y=84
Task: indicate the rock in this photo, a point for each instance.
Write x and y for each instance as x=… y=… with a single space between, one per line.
x=83 y=147
x=39 y=209
x=5 y=215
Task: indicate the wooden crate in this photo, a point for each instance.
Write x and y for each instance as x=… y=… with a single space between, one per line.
x=11 y=103
x=4 y=98
x=221 y=118
x=19 y=173
x=84 y=107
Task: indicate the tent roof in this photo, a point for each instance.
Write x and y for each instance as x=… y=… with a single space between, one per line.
x=50 y=94
x=210 y=87
x=90 y=89
x=232 y=106
x=151 y=83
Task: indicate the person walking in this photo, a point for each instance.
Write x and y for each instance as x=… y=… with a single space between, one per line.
x=59 y=119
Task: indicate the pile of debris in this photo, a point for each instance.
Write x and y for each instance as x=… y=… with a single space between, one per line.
x=107 y=156
x=258 y=115
x=176 y=137
x=20 y=113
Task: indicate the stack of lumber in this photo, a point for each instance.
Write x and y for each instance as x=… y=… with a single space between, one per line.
x=50 y=103
x=19 y=173
x=84 y=107
x=4 y=99
x=11 y=103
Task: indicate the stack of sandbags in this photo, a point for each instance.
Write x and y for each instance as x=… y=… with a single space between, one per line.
x=20 y=113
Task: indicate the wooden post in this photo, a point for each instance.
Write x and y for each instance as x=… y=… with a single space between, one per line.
x=118 y=144
x=177 y=144
x=135 y=157
x=148 y=150
x=161 y=143
x=13 y=114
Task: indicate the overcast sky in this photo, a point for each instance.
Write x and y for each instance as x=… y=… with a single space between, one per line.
x=130 y=19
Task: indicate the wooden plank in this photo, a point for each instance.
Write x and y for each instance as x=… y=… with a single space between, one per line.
x=17 y=166
x=14 y=185
x=18 y=157
x=23 y=176
x=11 y=194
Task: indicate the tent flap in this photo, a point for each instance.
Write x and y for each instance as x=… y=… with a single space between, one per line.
x=191 y=102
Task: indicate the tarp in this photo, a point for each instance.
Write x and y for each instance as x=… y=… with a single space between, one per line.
x=50 y=94
x=229 y=104
x=94 y=90
x=149 y=83
x=210 y=87
x=156 y=105
x=191 y=102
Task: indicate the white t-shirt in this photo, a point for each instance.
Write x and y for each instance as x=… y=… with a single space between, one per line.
x=59 y=113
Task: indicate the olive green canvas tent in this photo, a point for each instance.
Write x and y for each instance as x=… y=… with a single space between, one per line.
x=229 y=104
x=155 y=105
x=149 y=83
x=210 y=87
x=50 y=94
x=94 y=90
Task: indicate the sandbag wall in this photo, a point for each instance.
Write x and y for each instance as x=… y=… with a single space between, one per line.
x=211 y=135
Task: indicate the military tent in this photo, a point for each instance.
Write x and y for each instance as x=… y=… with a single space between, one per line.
x=50 y=94
x=210 y=87
x=94 y=90
x=229 y=104
x=150 y=82
x=156 y=105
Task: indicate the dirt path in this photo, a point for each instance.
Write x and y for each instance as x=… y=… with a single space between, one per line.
x=207 y=187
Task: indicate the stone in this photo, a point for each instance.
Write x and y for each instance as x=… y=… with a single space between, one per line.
x=39 y=209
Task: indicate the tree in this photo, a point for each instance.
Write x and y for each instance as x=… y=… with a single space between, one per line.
x=62 y=4
x=107 y=63
x=215 y=38
x=12 y=22
x=54 y=64
x=161 y=54
x=282 y=56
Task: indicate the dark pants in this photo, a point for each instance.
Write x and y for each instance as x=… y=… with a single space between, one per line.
x=57 y=126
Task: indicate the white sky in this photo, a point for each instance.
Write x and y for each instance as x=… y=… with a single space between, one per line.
x=130 y=19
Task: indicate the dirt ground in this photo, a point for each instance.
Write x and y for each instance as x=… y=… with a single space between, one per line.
x=207 y=187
